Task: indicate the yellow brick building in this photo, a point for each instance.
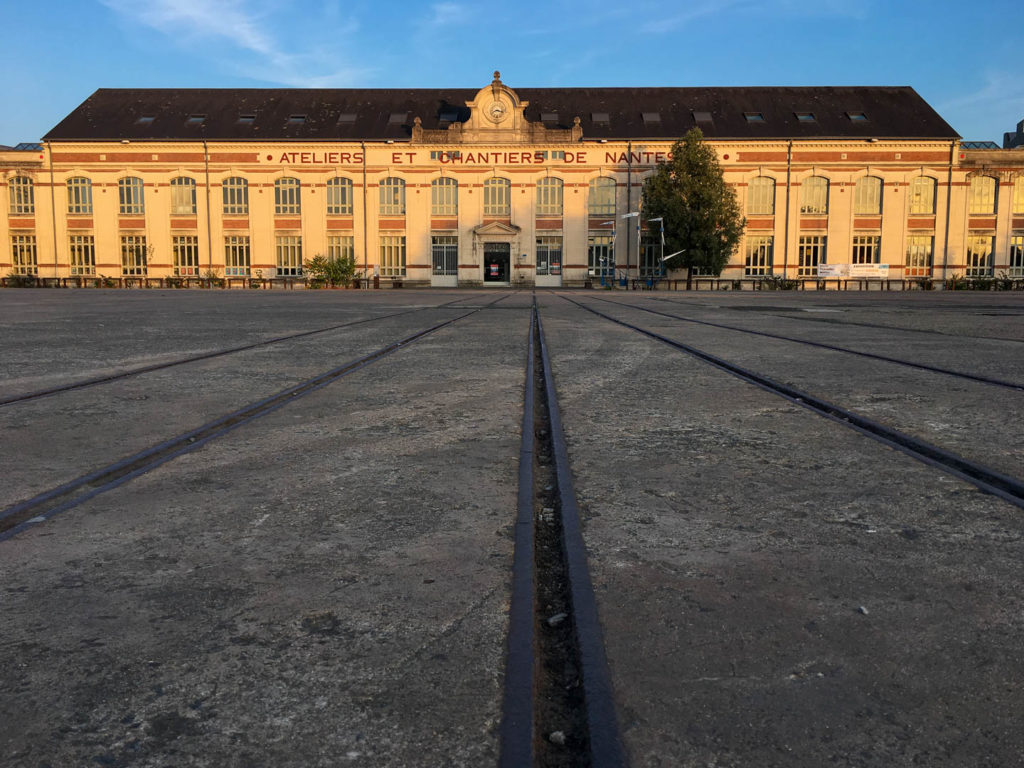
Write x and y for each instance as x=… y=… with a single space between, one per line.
x=494 y=186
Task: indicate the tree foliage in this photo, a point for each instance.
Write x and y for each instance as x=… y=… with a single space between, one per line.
x=322 y=270
x=701 y=213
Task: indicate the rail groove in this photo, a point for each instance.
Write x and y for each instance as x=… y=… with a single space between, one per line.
x=84 y=383
x=985 y=478
x=830 y=347
x=43 y=506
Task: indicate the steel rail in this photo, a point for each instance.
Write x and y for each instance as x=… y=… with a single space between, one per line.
x=985 y=478
x=205 y=356
x=831 y=347
x=45 y=505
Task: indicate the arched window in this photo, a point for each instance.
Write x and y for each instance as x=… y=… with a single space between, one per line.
x=183 y=195
x=23 y=198
x=814 y=195
x=497 y=197
x=392 y=197
x=236 y=195
x=981 y=197
x=339 y=196
x=79 y=195
x=130 y=196
x=549 y=197
x=761 y=196
x=601 y=200
x=444 y=197
x=922 y=196
x=867 y=196
x=286 y=196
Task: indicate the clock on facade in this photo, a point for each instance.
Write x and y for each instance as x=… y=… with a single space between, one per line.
x=497 y=111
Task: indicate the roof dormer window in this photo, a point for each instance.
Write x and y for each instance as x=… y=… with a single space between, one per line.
x=195 y=120
x=754 y=117
x=296 y=119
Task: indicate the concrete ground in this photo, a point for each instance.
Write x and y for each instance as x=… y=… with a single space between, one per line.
x=328 y=585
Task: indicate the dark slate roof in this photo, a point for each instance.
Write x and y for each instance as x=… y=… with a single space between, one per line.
x=388 y=113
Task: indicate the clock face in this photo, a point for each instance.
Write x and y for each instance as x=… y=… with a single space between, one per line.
x=497 y=111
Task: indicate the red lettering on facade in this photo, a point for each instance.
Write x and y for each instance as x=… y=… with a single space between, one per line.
x=396 y=158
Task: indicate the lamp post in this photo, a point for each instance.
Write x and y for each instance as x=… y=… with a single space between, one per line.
x=661 y=221
x=630 y=216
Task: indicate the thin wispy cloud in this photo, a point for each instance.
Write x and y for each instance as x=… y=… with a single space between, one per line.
x=448 y=14
x=232 y=27
x=789 y=8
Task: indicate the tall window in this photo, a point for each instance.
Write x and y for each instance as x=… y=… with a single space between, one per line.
x=186 y=255
x=83 y=254
x=981 y=196
x=549 y=197
x=392 y=255
x=23 y=254
x=922 y=196
x=979 y=256
x=130 y=195
x=236 y=195
x=339 y=196
x=444 y=197
x=601 y=255
x=392 y=197
x=814 y=195
x=867 y=196
x=133 y=255
x=236 y=256
x=1018 y=195
x=811 y=253
x=183 y=195
x=444 y=255
x=549 y=255
x=919 y=257
x=758 y=261
x=1017 y=256
x=601 y=197
x=23 y=198
x=289 y=255
x=341 y=247
x=761 y=196
x=866 y=249
x=497 y=197
x=79 y=195
x=650 y=253
x=286 y=197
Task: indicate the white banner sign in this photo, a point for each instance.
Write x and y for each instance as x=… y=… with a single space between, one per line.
x=869 y=270
x=833 y=270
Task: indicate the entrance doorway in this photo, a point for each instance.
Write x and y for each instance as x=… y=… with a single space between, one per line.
x=497 y=257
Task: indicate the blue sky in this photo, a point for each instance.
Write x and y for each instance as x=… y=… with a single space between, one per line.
x=963 y=58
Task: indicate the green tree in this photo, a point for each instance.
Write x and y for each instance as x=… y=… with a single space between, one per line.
x=701 y=214
x=332 y=272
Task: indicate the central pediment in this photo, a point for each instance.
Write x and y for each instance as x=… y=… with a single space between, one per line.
x=493 y=228
x=496 y=116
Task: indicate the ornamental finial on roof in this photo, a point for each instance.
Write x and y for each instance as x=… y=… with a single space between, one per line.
x=497 y=76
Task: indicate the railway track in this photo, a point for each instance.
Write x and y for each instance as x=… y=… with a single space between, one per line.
x=1008 y=488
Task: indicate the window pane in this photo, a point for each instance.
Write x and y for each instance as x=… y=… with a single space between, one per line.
x=814 y=195
x=183 y=195
x=866 y=249
x=22 y=195
x=23 y=254
x=236 y=256
x=1017 y=256
x=549 y=255
x=133 y=255
x=339 y=197
x=83 y=254
x=761 y=196
x=289 y=255
x=922 y=196
x=444 y=197
x=811 y=253
x=392 y=255
x=497 y=197
x=392 y=197
x=868 y=196
x=979 y=256
x=130 y=196
x=982 y=195
x=186 y=255
x=236 y=196
x=919 y=257
x=79 y=195
x=758 y=258
x=601 y=200
x=286 y=197
x=600 y=255
x=549 y=197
